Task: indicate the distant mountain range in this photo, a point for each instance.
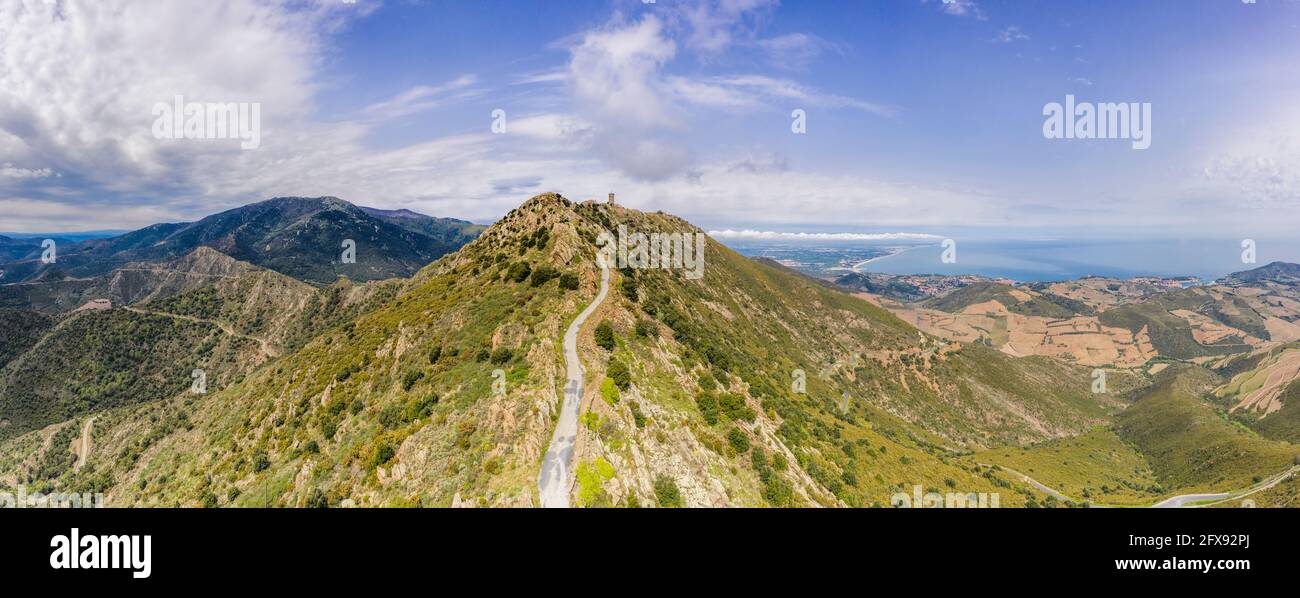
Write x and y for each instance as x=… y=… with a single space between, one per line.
x=298 y=237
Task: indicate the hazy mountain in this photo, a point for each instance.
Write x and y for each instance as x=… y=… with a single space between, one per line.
x=15 y=249
x=300 y=237
x=1281 y=272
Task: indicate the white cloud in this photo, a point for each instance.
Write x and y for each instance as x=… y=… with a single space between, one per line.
x=786 y=90
x=714 y=24
x=794 y=50
x=1010 y=34
x=9 y=171
x=961 y=8
x=423 y=97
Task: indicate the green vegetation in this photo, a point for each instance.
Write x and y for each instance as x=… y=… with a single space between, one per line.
x=1042 y=303
x=609 y=391
x=1095 y=467
x=619 y=372
x=1170 y=335
x=591 y=476
x=604 y=335
x=667 y=494
x=1189 y=445
x=19 y=331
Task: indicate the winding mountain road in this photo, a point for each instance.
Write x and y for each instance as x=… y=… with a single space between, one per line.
x=1173 y=502
x=1194 y=499
x=556 y=477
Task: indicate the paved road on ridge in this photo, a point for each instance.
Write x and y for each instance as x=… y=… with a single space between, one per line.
x=556 y=476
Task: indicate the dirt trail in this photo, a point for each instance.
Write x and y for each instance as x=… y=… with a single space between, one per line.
x=267 y=348
x=83 y=447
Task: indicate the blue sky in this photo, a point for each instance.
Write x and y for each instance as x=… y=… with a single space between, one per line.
x=922 y=116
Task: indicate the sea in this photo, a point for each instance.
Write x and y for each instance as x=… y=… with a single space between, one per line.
x=1028 y=260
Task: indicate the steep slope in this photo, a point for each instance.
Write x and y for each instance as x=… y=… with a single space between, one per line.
x=1189 y=445
x=299 y=237
x=201 y=311
x=96 y=360
x=19 y=331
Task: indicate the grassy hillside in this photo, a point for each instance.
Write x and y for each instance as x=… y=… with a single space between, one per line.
x=1189 y=444
x=1096 y=467
x=1283 y=424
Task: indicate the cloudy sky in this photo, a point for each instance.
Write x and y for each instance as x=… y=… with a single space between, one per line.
x=921 y=115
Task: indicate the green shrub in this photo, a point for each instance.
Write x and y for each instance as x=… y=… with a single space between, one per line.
x=384 y=452
x=646 y=328
x=260 y=461
x=519 y=271
x=542 y=275
x=605 y=335
x=733 y=405
x=738 y=440
x=620 y=373
x=410 y=378
x=667 y=494
x=637 y=416
x=609 y=391
x=778 y=492
x=420 y=408
x=708 y=405
x=435 y=354
x=502 y=355
x=569 y=281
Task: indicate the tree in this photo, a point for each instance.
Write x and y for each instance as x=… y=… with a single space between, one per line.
x=502 y=355
x=605 y=335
